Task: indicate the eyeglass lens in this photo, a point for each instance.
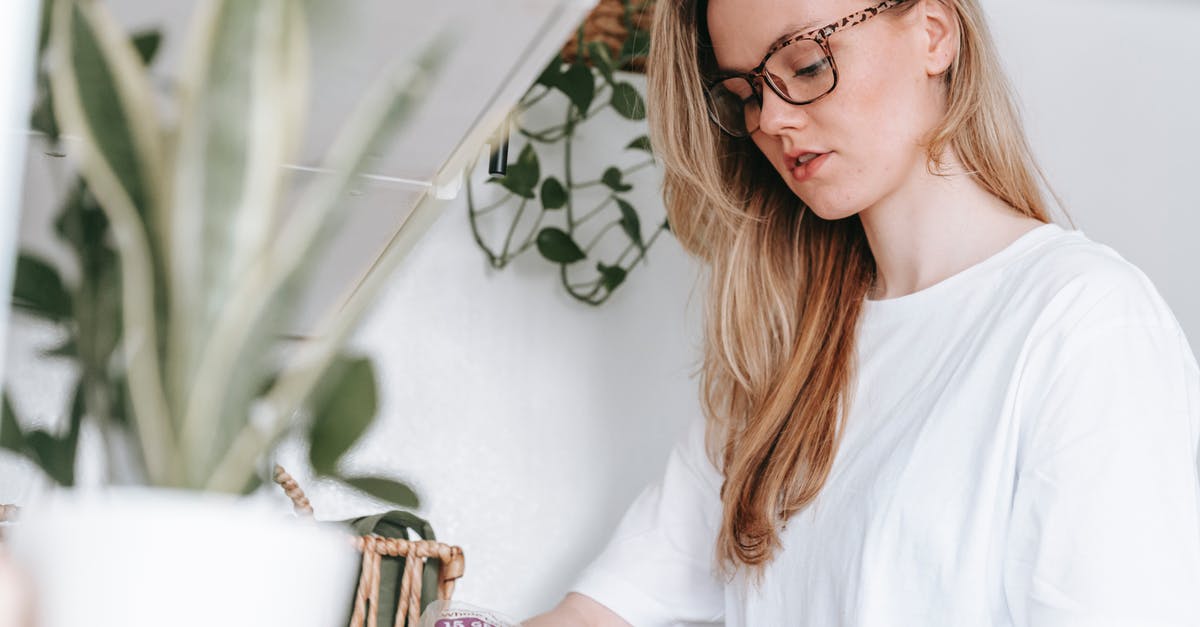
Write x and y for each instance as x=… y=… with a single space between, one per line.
x=799 y=72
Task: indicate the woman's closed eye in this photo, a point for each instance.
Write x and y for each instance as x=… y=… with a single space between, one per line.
x=812 y=70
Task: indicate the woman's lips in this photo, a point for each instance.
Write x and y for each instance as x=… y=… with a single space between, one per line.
x=809 y=169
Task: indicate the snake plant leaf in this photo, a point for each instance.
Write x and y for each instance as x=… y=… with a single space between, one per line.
x=384 y=490
x=628 y=101
x=630 y=223
x=522 y=175
x=554 y=195
x=579 y=85
x=241 y=95
x=39 y=290
x=557 y=246
x=102 y=96
x=387 y=106
x=343 y=406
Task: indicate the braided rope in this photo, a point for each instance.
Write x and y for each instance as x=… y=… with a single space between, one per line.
x=373 y=549
x=292 y=489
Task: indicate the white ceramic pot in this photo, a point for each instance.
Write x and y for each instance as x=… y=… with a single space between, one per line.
x=141 y=557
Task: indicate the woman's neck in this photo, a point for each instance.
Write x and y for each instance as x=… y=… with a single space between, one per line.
x=935 y=227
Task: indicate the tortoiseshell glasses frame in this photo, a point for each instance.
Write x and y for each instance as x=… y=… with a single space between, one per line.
x=727 y=97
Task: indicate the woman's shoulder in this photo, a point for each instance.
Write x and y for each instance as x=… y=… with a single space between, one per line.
x=1077 y=281
x=1077 y=291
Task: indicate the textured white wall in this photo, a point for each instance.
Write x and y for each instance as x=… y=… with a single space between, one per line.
x=529 y=422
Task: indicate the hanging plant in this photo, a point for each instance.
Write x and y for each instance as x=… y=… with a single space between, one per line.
x=587 y=225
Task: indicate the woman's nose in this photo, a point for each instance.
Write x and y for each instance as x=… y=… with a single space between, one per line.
x=776 y=114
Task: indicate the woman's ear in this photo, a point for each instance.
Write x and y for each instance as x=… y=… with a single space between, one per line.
x=940 y=24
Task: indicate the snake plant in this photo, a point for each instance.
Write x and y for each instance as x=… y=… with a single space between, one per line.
x=188 y=265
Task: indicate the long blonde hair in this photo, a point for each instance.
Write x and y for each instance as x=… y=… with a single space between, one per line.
x=785 y=291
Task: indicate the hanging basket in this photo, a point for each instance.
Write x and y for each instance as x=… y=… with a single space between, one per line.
x=611 y=23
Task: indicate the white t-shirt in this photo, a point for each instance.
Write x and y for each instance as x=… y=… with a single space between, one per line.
x=1021 y=450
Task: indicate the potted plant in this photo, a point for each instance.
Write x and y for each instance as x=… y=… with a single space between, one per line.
x=186 y=272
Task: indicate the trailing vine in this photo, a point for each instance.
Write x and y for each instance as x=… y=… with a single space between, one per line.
x=573 y=222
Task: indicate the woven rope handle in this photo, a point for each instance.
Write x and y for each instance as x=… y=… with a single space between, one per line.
x=373 y=548
x=292 y=489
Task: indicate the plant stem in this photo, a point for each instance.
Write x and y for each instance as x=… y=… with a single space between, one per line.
x=526 y=104
x=607 y=202
x=475 y=226
x=532 y=239
x=547 y=135
x=512 y=228
x=567 y=175
x=596 y=239
x=624 y=172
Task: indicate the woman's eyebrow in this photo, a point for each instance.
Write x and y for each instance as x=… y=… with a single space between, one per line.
x=794 y=28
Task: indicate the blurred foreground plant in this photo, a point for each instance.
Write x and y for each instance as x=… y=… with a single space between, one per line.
x=187 y=268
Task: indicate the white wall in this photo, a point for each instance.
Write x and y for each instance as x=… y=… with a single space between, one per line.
x=529 y=421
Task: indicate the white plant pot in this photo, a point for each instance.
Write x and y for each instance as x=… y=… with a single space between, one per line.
x=142 y=557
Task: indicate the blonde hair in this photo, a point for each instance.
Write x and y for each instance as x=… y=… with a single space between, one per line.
x=784 y=291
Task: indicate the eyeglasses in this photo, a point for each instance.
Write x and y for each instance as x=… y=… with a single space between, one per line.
x=799 y=69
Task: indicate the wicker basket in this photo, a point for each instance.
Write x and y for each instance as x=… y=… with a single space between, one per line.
x=609 y=24
x=374 y=549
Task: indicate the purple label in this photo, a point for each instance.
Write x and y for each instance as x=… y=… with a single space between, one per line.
x=465 y=621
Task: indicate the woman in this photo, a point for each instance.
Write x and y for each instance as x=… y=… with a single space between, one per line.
x=926 y=403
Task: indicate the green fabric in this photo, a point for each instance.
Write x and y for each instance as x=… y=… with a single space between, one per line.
x=397 y=524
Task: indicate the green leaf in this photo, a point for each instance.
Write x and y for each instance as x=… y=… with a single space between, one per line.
x=557 y=246
x=637 y=44
x=39 y=290
x=611 y=276
x=628 y=101
x=641 y=143
x=342 y=409
x=579 y=85
x=47 y=14
x=147 y=44
x=68 y=349
x=615 y=180
x=552 y=75
x=102 y=95
x=554 y=195
x=522 y=176
x=630 y=223
x=241 y=95
x=11 y=437
x=54 y=455
x=601 y=59
x=385 y=490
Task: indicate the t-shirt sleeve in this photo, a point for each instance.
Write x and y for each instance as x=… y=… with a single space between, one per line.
x=658 y=568
x=1105 y=527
